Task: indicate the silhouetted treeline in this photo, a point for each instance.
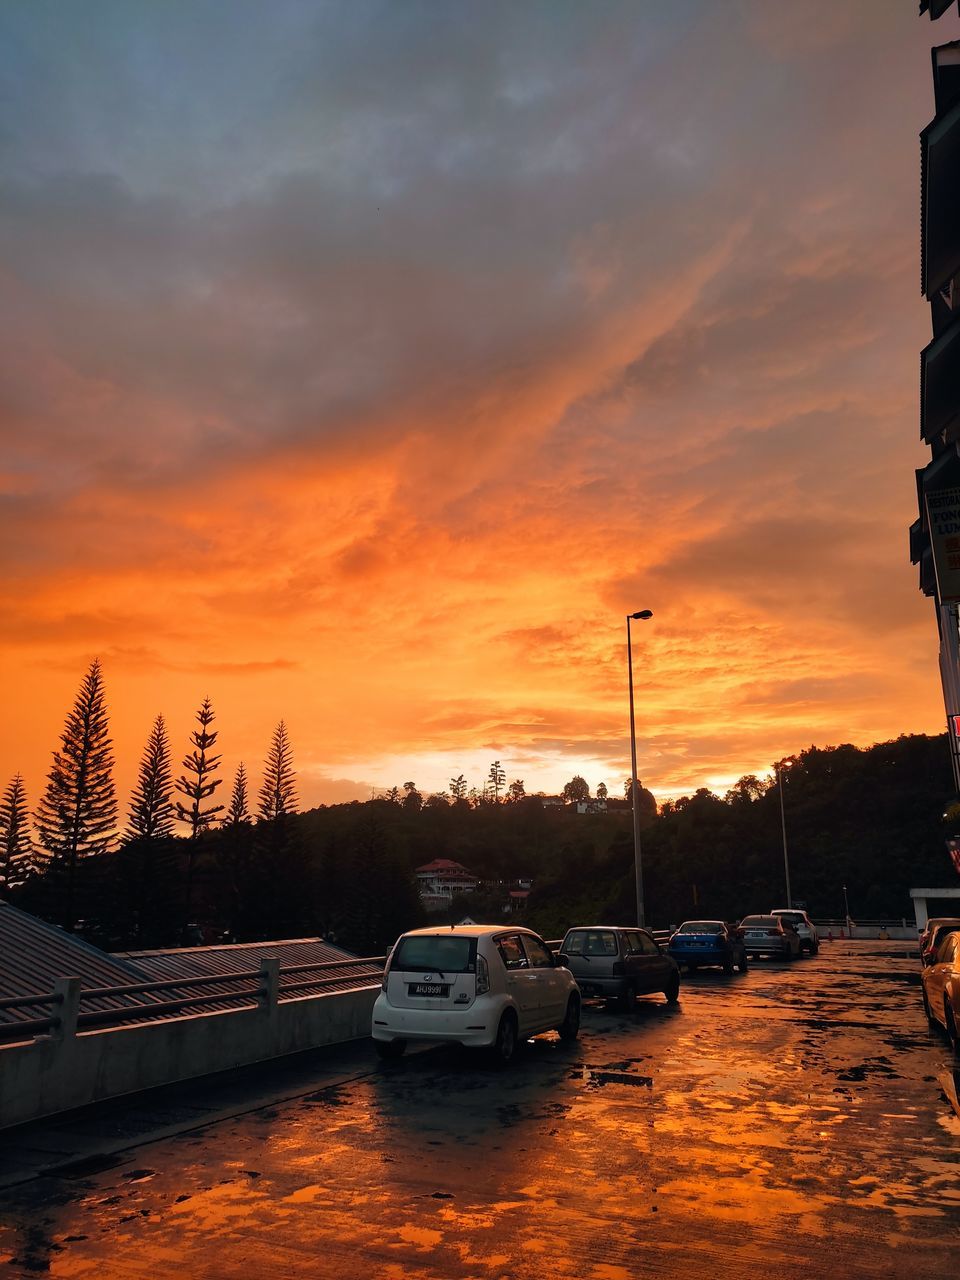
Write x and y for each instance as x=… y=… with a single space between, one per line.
x=868 y=819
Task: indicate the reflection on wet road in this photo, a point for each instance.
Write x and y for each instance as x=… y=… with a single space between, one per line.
x=788 y=1119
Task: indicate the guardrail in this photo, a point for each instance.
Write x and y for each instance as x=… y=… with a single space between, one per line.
x=243 y=989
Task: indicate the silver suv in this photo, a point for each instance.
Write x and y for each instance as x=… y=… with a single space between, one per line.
x=806 y=929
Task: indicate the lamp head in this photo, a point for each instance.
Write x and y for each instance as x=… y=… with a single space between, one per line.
x=643 y=614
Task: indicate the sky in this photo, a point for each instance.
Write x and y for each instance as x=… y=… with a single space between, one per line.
x=363 y=364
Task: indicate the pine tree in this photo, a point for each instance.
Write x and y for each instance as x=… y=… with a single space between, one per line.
x=151 y=810
x=278 y=794
x=16 y=861
x=198 y=783
x=238 y=811
x=78 y=812
x=497 y=779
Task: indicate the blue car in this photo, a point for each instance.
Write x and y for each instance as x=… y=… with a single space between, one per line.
x=708 y=942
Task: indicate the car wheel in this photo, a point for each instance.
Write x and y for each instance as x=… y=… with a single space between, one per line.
x=728 y=965
x=742 y=966
x=951 y=1025
x=628 y=997
x=672 y=992
x=569 y=1028
x=691 y=968
x=505 y=1045
x=928 y=1012
x=390 y=1050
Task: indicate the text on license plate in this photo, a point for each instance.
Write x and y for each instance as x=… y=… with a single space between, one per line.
x=428 y=989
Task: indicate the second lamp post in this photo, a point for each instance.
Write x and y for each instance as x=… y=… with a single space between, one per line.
x=641 y=616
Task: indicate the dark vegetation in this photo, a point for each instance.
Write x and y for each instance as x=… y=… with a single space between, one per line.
x=870 y=819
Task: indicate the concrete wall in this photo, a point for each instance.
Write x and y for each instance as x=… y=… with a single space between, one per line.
x=65 y=1070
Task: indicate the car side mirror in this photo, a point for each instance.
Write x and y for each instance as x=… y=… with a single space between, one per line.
x=562 y=959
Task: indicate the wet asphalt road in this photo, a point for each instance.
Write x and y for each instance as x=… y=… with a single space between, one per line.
x=789 y=1121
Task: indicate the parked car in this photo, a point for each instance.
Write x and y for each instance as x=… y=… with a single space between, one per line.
x=940 y=983
x=936 y=930
x=806 y=929
x=769 y=936
x=706 y=942
x=615 y=961
x=484 y=986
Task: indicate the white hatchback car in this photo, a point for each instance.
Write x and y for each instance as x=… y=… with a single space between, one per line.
x=806 y=929
x=484 y=986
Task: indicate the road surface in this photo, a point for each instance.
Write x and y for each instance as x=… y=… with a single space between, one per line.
x=788 y=1121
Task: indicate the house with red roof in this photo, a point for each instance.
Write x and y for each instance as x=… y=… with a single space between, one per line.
x=442 y=880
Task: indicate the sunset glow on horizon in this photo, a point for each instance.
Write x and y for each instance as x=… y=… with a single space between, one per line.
x=365 y=365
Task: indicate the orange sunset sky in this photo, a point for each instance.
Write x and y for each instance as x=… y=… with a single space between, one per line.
x=364 y=364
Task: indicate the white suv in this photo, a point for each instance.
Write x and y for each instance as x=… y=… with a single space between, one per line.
x=806 y=929
x=479 y=985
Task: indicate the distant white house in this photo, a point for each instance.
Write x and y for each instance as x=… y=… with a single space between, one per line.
x=443 y=880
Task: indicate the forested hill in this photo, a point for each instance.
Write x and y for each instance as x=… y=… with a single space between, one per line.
x=869 y=819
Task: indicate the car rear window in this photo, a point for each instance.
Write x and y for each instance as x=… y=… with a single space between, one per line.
x=591 y=942
x=435 y=952
x=753 y=920
x=700 y=926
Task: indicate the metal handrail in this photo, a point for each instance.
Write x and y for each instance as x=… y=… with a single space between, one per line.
x=138 y=1012
x=24 y=1002
x=27 y=1028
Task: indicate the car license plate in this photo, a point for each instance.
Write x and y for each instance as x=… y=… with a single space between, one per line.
x=428 y=989
x=756 y=935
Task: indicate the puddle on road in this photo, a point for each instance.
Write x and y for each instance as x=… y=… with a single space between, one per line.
x=597 y=1077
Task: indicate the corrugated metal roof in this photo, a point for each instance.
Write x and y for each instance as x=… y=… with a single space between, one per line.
x=242 y=957
x=33 y=954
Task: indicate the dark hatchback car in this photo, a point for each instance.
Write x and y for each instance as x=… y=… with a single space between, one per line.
x=708 y=942
x=619 y=962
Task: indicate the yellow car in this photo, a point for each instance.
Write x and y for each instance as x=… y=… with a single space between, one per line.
x=941 y=987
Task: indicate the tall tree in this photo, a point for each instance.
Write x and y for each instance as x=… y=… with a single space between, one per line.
x=413 y=800
x=78 y=813
x=15 y=846
x=576 y=789
x=458 y=788
x=197 y=783
x=239 y=811
x=497 y=779
x=602 y=792
x=151 y=809
x=278 y=794
x=517 y=791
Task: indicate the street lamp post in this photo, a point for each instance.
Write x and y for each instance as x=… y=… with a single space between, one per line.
x=846 y=912
x=641 y=616
x=783 y=829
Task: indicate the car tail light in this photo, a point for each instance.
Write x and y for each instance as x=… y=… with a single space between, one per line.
x=483 y=975
x=618 y=969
